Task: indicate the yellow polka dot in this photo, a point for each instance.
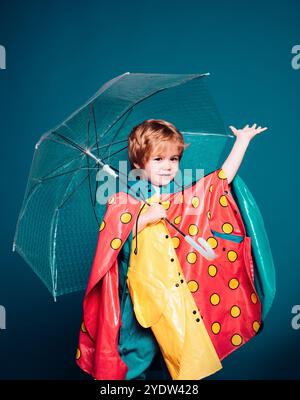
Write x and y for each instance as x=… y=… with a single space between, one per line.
x=221 y=174
x=215 y=299
x=191 y=257
x=193 y=286
x=256 y=326
x=78 y=354
x=111 y=200
x=223 y=201
x=236 y=339
x=195 y=201
x=253 y=298
x=212 y=242
x=83 y=328
x=212 y=270
x=193 y=229
x=126 y=217
x=233 y=283
x=215 y=328
x=177 y=220
x=235 y=311
x=208 y=214
x=227 y=228
x=116 y=243
x=232 y=255
x=176 y=242
x=166 y=204
x=102 y=226
x=211 y=188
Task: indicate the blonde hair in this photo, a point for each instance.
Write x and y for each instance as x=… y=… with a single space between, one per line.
x=150 y=135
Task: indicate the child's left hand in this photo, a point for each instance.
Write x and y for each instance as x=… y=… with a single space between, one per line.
x=247 y=132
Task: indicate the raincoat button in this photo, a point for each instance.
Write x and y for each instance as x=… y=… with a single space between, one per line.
x=172 y=259
x=123 y=351
x=177 y=284
x=181 y=280
x=198 y=319
x=179 y=273
x=167 y=236
x=194 y=312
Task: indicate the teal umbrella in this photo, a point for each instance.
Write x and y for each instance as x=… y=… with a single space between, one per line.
x=58 y=224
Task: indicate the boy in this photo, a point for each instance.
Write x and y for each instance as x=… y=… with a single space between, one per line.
x=194 y=327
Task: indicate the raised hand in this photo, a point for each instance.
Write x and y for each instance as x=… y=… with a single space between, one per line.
x=248 y=132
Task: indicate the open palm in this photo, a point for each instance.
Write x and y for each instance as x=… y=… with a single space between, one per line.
x=248 y=132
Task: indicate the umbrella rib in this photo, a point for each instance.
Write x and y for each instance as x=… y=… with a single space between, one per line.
x=102 y=89
x=54 y=140
x=75 y=188
x=116 y=152
x=109 y=144
x=95 y=125
x=60 y=166
x=73 y=191
x=63 y=173
x=30 y=193
x=115 y=135
x=72 y=144
x=93 y=200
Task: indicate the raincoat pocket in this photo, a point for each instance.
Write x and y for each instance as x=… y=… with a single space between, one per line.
x=228 y=236
x=235 y=252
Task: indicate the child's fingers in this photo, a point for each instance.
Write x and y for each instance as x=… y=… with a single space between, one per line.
x=234 y=130
x=262 y=129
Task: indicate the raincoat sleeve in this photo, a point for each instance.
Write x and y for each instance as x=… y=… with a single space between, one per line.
x=228 y=201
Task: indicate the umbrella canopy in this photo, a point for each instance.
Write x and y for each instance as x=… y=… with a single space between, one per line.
x=59 y=220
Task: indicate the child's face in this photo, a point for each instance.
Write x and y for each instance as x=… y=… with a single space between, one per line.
x=162 y=167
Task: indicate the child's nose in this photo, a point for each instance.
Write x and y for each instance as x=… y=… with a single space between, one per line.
x=167 y=164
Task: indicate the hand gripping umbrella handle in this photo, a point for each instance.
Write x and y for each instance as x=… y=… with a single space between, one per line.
x=205 y=250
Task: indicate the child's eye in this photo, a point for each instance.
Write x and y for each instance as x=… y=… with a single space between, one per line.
x=157 y=158
x=174 y=159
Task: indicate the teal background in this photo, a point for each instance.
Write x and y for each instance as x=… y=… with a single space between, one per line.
x=59 y=54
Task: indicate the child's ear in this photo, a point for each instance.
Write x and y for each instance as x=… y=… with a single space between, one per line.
x=136 y=165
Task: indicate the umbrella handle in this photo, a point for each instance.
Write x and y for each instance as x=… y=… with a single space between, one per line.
x=205 y=250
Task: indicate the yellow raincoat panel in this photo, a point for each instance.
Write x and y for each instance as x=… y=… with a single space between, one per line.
x=163 y=302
